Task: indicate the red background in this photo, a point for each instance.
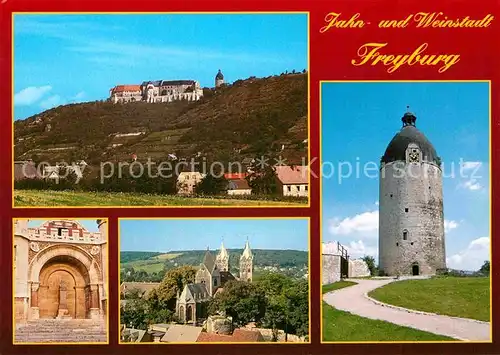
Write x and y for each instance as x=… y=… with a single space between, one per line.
x=330 y=57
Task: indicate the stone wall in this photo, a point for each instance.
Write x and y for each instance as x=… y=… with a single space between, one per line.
x=331 y=268
x=411 y=207
x=358 y=268
x=218 y=325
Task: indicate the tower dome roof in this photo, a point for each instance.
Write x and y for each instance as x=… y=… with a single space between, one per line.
x=396 y=150
x=219 y=76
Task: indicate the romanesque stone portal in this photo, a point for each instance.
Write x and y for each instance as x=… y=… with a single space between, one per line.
x=60 y=272
x=411 y=222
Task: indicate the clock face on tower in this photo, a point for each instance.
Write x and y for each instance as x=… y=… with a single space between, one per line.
x=414 y=156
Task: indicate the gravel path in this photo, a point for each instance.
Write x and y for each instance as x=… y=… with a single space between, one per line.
x=353 y=299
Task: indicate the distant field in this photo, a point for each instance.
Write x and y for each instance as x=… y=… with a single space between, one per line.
x=167 y=256
x=148 y=266
x=467 y=297
x=39 y=198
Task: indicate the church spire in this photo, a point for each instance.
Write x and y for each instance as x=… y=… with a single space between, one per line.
x=247 y=252
x=409 y=118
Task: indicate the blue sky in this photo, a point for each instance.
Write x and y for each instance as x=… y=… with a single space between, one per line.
x=198 y=234
x=89 y=224
x=61 y=59
x=358 y=122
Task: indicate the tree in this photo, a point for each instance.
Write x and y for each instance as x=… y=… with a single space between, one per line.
x=370 y=262
x=211 y=185
x=485 y=268
x=174 y=281
x=134 y=314
x=263 y=178
x=242 y=301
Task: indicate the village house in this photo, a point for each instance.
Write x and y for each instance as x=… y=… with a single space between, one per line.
x=187 y=181
x=237 y=184
x=293 y=180
x=25 y=170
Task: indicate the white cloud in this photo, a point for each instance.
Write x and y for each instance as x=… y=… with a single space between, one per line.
x=472 y=257
x=365 y=223
x=50 y=102
x=358 y=249
x=449 y=225
x=471 y=185
x=30 y=95
x=376 y=203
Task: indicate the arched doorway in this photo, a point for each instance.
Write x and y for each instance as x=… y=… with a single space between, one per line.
x=415 y=271
x=67 y=277
x=189 y=313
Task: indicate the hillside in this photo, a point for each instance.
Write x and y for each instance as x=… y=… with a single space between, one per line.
x=290 y=262
x=249 y=117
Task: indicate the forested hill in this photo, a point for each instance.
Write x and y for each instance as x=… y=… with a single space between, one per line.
x=262 y=257
x=247 y=118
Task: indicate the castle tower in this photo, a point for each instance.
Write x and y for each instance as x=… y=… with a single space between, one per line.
x=219 y=79
x=222 y=259
x=246 y=264
x=411 y=222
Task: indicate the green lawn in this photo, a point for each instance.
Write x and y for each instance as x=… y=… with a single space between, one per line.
x=466 y=297
x=343 y=326
x=23 y=198
x=336 y=286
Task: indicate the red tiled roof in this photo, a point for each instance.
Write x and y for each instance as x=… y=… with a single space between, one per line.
x=297 y=174
x=238 y=336
x=235 y=176
x=123 y=88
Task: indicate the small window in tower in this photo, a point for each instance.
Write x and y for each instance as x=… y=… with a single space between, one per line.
x=215 y=282
x=248 y=270
x=405 y=235
x=391 y=195
x=406 y=209
x=397 y=244
x=411 y=243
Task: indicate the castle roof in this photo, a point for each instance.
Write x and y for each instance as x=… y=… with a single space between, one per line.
x=219 y=75
x=396 y=150
x=124 y=88
x=176 y=82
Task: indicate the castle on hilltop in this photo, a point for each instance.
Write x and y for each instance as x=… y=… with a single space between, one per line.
x=161 y=91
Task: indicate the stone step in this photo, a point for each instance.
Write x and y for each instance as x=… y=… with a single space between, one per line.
x=61 y=330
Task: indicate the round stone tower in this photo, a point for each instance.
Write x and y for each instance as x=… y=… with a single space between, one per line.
x=219 y=79
x=411 y=222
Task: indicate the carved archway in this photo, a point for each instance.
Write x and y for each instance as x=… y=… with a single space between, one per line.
x=78 y=272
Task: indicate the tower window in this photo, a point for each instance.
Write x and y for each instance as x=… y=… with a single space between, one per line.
x=215 y=282
x=411 y=243
x=397 y=244
x=391 y=195
x=406 y=209
x=405 y=235
x=248 y=270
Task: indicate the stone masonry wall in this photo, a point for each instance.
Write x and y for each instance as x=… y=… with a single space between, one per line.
x=413 y=203
x=331 y=268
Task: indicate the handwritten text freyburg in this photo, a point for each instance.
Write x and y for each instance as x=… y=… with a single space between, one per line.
x=370 y=53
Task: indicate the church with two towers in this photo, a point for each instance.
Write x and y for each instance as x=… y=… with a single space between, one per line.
x=212 y=275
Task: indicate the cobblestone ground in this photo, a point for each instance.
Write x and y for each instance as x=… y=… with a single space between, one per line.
x=353 y=299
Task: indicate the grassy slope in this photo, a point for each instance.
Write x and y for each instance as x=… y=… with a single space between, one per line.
x=467 y=297
x=343 y=326
x=67 y=198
